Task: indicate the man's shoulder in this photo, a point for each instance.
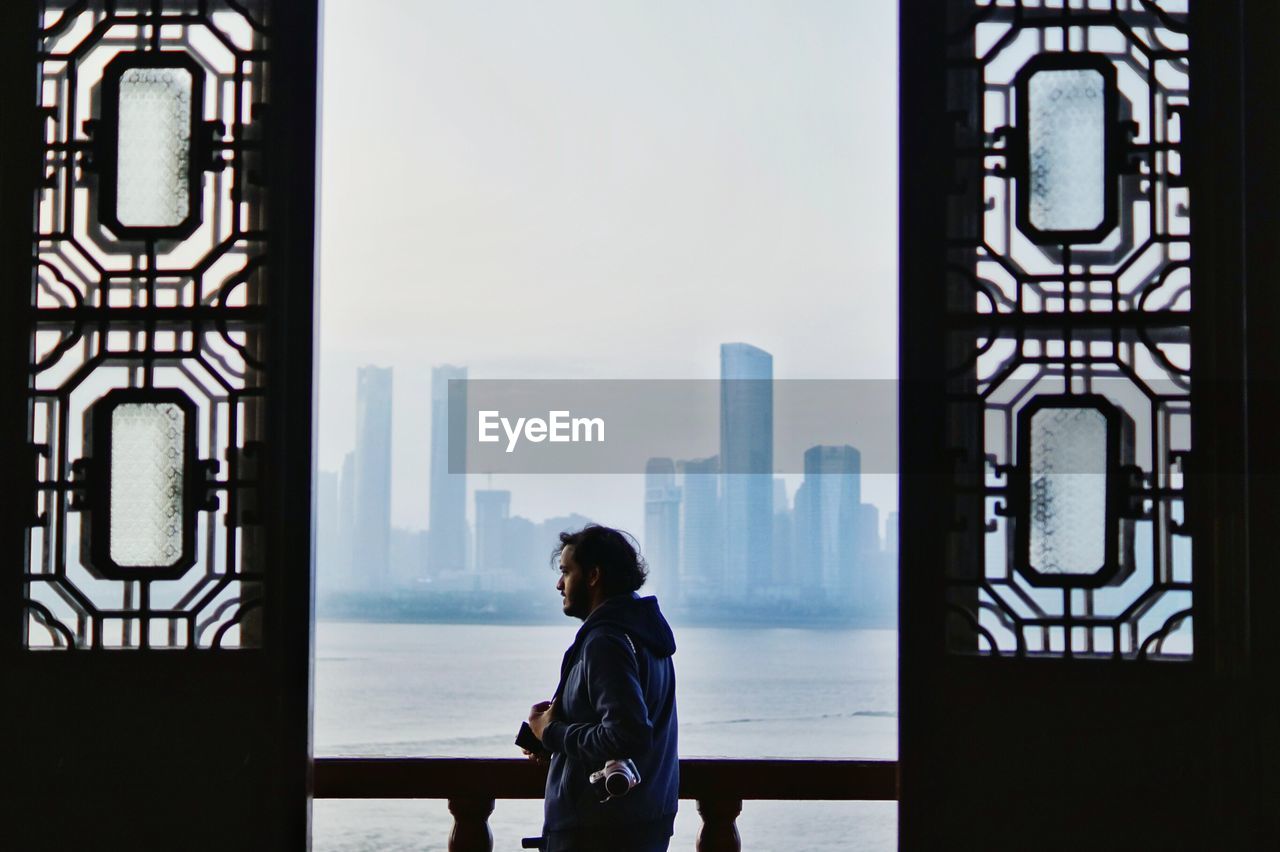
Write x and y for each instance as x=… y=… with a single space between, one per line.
x=609 y=634
x=610 y=642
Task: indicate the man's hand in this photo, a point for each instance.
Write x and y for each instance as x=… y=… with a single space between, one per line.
x=540 y=715
x=540 y=759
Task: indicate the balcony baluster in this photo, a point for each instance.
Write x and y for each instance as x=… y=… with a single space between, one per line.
x=471 y=825
x=719 y=831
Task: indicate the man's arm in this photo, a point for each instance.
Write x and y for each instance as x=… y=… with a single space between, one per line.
x=624 y=729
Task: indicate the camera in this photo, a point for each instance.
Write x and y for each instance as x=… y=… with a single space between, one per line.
x=615 y=779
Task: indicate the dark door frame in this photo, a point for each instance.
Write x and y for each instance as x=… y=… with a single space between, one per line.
x=1046 y=753
x=171 y=748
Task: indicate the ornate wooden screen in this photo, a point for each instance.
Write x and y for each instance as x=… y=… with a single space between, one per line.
x=158 y=203
x=1075 y=586
x=1069 y=298
x=147 y=371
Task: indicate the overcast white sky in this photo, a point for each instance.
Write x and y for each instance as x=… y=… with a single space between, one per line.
x=603 y=189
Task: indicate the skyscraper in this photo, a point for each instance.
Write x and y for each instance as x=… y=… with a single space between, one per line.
x=447 y=514
x=344 y=557
x=746 y=458
x=782 y=534
x=493 y=508
x=662 y=527
x=328 y=526
x=525 y=556
x=550 y=529
x=827 y=513
x=371 y=532
x=700 y=546
x=407 y=558
x=864 y=581
x=880 y=577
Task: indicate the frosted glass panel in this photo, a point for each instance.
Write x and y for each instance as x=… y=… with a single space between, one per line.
x=1068 y=490
x=1066 y=145
x=153 y=188
x=146 y=484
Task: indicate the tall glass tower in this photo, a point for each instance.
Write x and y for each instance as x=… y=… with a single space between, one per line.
x=662 y=527
x=493 y=511
x=371 y=532
x=700 y=540
x=746 y=459
x=827 y=515
x=447 y=514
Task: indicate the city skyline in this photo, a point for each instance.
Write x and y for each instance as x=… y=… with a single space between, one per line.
x=711 y=535
x=415 y=519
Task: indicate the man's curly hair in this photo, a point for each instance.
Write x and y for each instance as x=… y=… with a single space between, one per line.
x=614 y=552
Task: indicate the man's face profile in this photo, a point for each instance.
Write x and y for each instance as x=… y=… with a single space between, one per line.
x=573 y=586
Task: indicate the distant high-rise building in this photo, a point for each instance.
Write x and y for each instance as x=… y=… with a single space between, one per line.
x=526 y=557
x=746 y=459
x=662 y=527
x=493 y=508
x=371 y=534
x=864 y=569
x=866 y=538
x=327 y=530
x=782 y=521
x=805 y=573
x=447 y=521
x=700 y=544
x=447 y=514
x=550 y=529
x=780 y=503
x=343 y=559
x=878 y=597
x=548 y=535
x=827 y=520
x=408 y=558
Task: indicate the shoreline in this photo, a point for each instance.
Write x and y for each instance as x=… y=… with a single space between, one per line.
x=428 y=612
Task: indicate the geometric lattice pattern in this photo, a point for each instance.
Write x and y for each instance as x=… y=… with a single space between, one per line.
x=176 y=312
x=1070 y=238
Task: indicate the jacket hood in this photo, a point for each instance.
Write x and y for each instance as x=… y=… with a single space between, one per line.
x=638 y=617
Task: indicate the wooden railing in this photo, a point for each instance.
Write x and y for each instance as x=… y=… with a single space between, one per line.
x=720 y=786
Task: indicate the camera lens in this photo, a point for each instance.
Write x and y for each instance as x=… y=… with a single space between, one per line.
x=617 y=784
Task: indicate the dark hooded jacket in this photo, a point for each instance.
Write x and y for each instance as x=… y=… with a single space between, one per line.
x=617 y=699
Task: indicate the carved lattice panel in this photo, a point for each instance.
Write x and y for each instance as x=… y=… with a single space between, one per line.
x=151 y=249
x=1069 y=303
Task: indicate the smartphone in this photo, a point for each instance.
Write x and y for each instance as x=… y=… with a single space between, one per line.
x=529 y=742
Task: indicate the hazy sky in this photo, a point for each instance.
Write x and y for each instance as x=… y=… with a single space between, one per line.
x=564 y=189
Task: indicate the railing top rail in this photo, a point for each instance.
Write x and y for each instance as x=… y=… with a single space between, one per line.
x=504 y=778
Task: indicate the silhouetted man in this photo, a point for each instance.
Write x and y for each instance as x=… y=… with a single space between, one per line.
x=616 y=700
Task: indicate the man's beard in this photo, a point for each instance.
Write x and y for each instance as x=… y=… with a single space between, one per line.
x=575 y=606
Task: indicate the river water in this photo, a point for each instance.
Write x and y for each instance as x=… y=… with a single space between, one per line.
x=461 y=691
